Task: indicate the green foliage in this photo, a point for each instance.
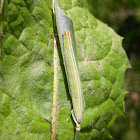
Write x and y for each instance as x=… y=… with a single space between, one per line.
x=27 y=73
x=123 y=16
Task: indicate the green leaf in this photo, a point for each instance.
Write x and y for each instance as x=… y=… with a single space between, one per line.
x=27 y=72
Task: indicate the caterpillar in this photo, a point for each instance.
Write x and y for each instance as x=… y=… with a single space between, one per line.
x=73 y=78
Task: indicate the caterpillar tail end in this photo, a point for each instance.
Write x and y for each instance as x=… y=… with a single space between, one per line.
x=78 y=127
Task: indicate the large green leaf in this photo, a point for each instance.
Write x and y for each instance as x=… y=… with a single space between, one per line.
x=27 y=73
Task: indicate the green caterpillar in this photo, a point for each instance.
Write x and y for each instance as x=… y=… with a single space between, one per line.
x=73 y=77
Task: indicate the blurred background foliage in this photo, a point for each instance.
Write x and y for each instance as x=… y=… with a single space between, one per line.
x=124 y=17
